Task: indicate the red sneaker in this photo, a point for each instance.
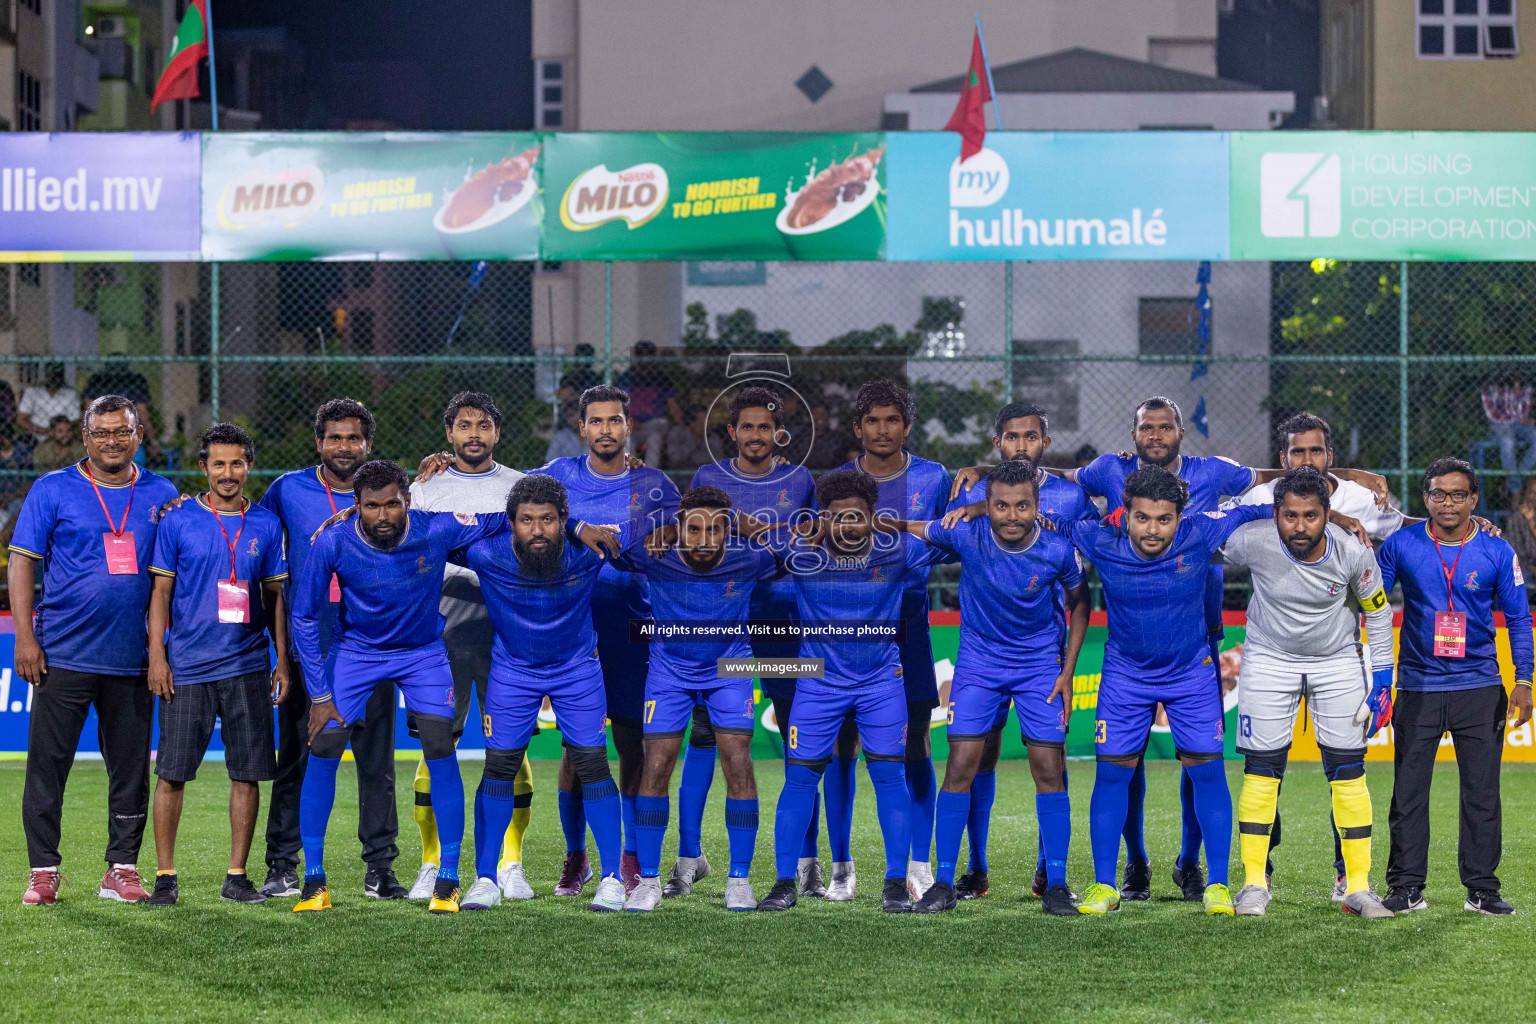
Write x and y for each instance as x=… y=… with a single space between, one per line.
x=123 y=885
x=43 y=889
x=574 y=874
x=629 y=871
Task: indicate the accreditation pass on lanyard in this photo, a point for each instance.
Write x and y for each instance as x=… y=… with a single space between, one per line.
x=1450 y=625
x=335 y=580
x=117 y=542
x=234 y=595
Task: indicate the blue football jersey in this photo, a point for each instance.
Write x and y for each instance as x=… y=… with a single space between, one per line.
x=1058 y=497
x=389 y=596
x=302 y=500
x=918 y=491
x=1210 y=478
x=192 y=547
x=1010 y=612
x=1157 y=622
x=90 y=620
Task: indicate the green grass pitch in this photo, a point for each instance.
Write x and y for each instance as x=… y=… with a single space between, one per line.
x=997 y=958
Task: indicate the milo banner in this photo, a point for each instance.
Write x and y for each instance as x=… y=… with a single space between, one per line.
x=738 y=196
x=370 y=196
x=94 y=196
x=1384 y=195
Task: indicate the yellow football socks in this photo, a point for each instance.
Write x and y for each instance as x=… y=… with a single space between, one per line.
x=1255 y=817
x=431 y=852
x=1352 y=817
x=522 y=794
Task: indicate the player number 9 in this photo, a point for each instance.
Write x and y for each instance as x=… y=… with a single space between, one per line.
x=486 y=725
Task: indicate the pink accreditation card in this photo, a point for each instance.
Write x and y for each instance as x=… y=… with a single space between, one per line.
x=122 y=559
x=1450 y=634
x=234 y=601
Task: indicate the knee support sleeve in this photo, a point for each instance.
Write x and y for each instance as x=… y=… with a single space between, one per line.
x=330 y=743
x=503 y=765
x=590 y=764
x=1342 y=765
x=1268 y=764
x=436 y=736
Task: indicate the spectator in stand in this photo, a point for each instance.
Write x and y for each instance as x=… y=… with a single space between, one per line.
x=40 y=404
x=1507 y=404
x=579 y=377
x=653 y=403
x=688 y=442
x=8 y=409
x=13 y=485
x=828 y=448
x=118 y=377
x=59 y=448
x=1520 y=531
x=566 y=441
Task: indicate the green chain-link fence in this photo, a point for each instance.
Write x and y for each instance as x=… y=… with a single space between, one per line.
x=1393 y=355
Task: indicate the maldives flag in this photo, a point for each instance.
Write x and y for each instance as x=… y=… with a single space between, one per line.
x=179 y=79
x=970 y=117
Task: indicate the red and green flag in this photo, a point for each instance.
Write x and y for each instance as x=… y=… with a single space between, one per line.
x=179 y=79
x=970 y=116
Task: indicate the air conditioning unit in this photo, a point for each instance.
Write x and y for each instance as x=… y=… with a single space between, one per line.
x=108 y=27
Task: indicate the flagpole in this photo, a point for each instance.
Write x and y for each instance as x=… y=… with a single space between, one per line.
x=997 y=112
x=213 y=272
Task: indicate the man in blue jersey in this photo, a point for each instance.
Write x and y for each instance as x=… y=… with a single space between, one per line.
x=909 y=488
x=92 y=526
x=1021 y=431
x=849 y=584
x=389 y=563
x=1448 y=680
x=704 y=582
x=774 y=493
x=538 y=590
x=1017 y=581
x=218 y=596
x=603 y=489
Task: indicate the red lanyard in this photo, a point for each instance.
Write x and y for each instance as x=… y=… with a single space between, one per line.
x=232 y=543
x=117 y=531
x=320 y=474
x=1450 y=574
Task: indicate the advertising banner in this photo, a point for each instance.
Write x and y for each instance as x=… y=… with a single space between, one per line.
x=1384 y=195
x=738 y=196
x=94 y=196
x=1059 y=196
x=370 y=196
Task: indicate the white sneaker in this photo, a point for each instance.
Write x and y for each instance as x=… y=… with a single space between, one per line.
x=1251 y=901
x=514 y=884
x=483 y=895
x=644 y=897
x=426 y=878
x=844 y=882
x=919 y=878
x=685 y=872
x=1340 y=889
x=1365 y=903
x=609 y=895
x=739 y=895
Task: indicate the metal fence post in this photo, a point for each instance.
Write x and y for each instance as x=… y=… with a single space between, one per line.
x=213 y=341
x=1402 y=382
x=1007 y=331
x=608 y=322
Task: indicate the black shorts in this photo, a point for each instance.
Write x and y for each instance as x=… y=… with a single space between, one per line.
x=243 y=707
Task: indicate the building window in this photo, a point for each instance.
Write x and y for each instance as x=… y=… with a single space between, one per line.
x=1466 y=30
x=35 y=6
x=551 y=92
x=29 y=103
x=1166 y=327
x=30 y=274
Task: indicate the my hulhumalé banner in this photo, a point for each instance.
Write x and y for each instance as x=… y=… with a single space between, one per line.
x=724 y=195
x=1384 y=195
x=1059 y=196
x=96 y=197
x=371 y=196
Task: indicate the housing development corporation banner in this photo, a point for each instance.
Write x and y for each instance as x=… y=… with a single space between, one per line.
x=706 y=196
x=371 y=195
x=1059 y=196
x=95 y=197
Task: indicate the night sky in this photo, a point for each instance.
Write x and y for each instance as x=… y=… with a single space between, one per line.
x=473 y=54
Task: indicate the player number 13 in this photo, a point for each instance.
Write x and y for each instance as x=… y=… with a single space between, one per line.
x=1100 y=726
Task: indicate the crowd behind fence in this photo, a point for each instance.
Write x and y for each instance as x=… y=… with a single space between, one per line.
x=1407 y=361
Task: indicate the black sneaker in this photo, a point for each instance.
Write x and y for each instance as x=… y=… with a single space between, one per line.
x=1037 y=884
x=781 y=896
x=972 y=884
x=1058 y=900
x=939 y=897
x=167 y=893
x=1487 y=901
x=238 y=889
x=381 y=884
x=1138 y=882
x=281 y=882
x=894 y=898
x=1191 y=880
x=1405 y=898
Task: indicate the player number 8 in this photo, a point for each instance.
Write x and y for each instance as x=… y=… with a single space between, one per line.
x=794 y=738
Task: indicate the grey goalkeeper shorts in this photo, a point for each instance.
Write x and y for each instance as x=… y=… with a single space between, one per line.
x=1269 y=692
